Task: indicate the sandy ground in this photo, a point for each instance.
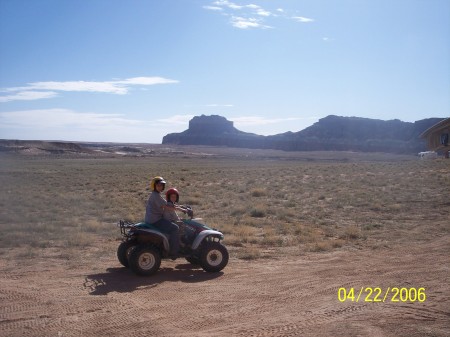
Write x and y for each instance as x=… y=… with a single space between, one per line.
x=286 y=296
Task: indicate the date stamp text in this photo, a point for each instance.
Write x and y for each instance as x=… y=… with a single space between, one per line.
x=377 y=294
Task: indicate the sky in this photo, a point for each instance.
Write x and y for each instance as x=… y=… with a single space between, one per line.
x=136 y=70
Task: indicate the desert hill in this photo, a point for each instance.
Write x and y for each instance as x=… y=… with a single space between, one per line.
x=332 y=133
x=41 y=147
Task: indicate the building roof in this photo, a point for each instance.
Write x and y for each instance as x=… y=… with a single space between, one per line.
x=444 y=124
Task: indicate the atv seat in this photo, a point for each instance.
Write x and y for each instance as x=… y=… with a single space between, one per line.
x=145 y=225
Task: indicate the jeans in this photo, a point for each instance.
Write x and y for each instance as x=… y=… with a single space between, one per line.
x=170 y=228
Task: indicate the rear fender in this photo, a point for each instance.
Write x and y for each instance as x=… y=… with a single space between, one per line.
x=203 y=235
x=144 y=234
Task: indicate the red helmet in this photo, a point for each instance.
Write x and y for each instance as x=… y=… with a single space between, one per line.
x=172 y=191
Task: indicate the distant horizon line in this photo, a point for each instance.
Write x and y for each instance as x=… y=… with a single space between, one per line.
x=161 y=143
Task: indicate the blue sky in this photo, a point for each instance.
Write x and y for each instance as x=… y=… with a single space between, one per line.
x=133 y=71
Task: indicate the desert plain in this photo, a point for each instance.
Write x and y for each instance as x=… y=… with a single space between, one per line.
x=321 y=244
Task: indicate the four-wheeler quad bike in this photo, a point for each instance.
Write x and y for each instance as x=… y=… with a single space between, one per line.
x=143 y=246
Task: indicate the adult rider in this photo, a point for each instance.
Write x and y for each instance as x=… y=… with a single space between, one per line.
x=154 y=211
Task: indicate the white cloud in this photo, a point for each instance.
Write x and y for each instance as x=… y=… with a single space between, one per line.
x=251 y=15
x=75 y=86
x=145 y=81
x=118 y=87
x=263 y=12
x=302 y=19
x=244 y=23
x=228 y=4
x=55 y=118
x=64 y=124
x=28 y=96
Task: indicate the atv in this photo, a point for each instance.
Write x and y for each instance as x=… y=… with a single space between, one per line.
x=143 y=245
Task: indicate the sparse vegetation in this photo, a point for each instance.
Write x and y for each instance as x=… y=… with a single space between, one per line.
x=71 y=203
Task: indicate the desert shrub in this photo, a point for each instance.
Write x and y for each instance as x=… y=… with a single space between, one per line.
x=233 y=241
x=251 y=182
x=79 y=239
x=258 y=211
x=95 y=226
x=371 y=226
x=258 y=192
x=291 y=204
x=245 y=233
x=283 y=214
x=338 y=243
x=272 y=241
x=191 y=201
x=249 y=253
x=321 y=246
x=351 y=232
x=225 y=227
x=238 y=210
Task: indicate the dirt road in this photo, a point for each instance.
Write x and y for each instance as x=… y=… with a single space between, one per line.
x=288 y=296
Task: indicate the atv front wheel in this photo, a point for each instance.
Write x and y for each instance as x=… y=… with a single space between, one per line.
x=123 y=252
x=144 y=260
x=214 y=257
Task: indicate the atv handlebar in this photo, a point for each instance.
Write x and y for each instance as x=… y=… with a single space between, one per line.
x=186 y=209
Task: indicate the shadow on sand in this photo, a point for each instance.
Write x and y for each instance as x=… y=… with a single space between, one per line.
x=123 y=280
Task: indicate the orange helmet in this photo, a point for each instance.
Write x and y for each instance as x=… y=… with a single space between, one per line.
x=172 y=191
x=156 y=180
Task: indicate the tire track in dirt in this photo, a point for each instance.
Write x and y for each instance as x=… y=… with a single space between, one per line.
x=272 y=292
x=52 y=306
x=279 y=297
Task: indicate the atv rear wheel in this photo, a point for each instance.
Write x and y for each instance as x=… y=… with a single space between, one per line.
x=123 y=252
x=144 y=260
x=214 y=257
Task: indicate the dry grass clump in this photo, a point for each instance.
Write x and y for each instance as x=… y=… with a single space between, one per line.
x=79 y=239
x=351 y=232
x=240 y=235
x=258 y=211
x=49 y=202
x=271 y=238
x=249 y=253
x=258 y=192
x=319 y=246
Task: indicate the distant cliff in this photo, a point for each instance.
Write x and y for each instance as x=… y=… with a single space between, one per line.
x=214 y=130
x=332 y=133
